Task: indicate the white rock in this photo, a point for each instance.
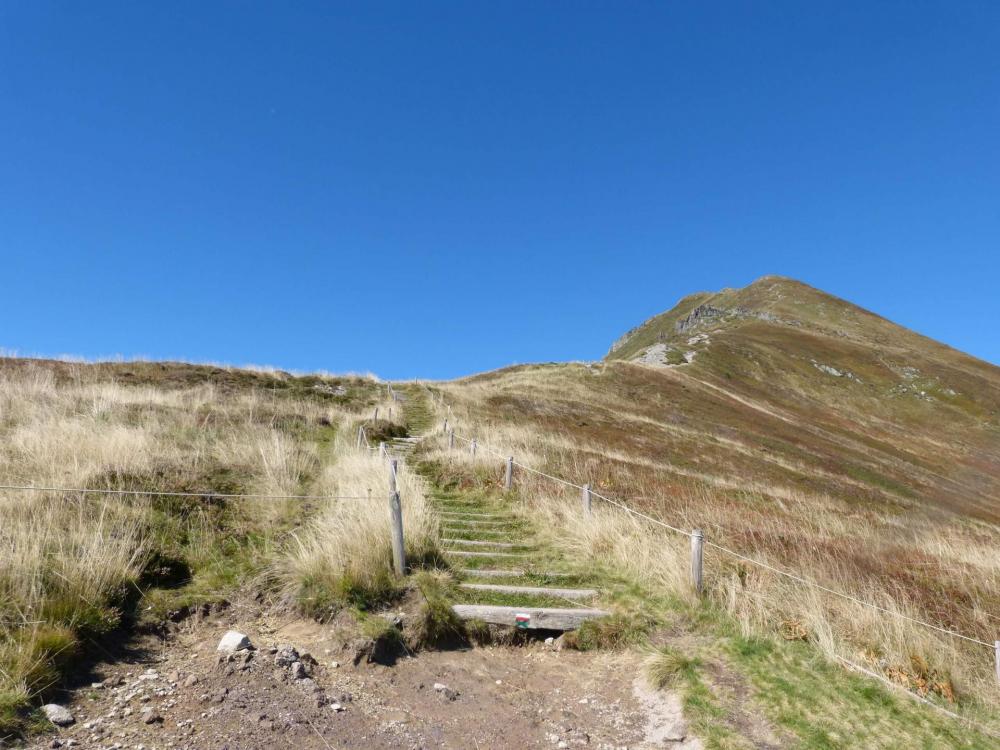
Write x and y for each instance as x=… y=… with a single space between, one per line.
x=58 y=715
x=440 y=686
x=336 y=707
x=233 y=641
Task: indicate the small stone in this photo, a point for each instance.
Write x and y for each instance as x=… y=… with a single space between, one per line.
x=58 y=715
x=233 y=641
x=336 y=707
x=446 y=691
x=396 y=620
x=191 y=680
x=298 y=670
x=151 y=716
x=286 y=656
x=335 y=664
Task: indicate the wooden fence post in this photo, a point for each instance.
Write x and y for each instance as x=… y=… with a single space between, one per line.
x=381 y=450
x=451 y=440
x=445 y=428
x=398 y=550
x=996 y=652
x=473 y=447
x=361 y=436
x=390 y=413
x=697 y=541
x=375 y=416
x=587 y=499
x=508 y=479
x=392 y=474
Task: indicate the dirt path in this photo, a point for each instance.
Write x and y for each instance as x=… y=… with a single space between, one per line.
x=174 y=692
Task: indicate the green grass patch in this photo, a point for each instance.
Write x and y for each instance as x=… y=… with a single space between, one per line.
x=615 y=631
x=667 y=666
x=436 y=624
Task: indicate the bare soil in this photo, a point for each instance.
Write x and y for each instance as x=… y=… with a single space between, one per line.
x=176 y=691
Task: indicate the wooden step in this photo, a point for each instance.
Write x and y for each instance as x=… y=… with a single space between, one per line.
x=538 y=618
x=457 y=534
x=490 y=572
x=469 y=553
x=532 y=590
x=466 y=514
x=481 y=543
x=511 y=573
x=484 y=525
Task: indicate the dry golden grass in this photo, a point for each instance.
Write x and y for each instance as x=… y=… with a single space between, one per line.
x=344 y=552
x=929 y=566
x=70 y=563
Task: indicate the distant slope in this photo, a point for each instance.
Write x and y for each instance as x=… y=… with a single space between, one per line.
x=835 y=388
x=791 y=425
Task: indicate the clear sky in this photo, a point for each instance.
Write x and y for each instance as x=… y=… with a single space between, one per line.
x=433 y=189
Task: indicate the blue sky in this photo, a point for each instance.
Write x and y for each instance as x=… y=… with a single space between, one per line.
x=433 y=189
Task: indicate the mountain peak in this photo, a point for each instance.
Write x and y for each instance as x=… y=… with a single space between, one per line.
x=781 y=334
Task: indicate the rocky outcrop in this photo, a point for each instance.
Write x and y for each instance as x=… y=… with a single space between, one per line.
x=699 y=315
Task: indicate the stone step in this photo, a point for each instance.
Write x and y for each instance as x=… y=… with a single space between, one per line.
x=529 y=618
x=533 y=590
x=481 y=543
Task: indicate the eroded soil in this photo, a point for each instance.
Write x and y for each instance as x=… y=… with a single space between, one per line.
x=176 y=691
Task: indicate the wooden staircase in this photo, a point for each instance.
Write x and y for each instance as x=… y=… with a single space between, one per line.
x=505 y=576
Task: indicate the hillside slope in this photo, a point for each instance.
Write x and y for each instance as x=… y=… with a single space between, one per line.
x=815 y=383
x=798 y=430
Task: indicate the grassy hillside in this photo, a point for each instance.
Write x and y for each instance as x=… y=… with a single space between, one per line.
x=797 y=429
x=274 y=454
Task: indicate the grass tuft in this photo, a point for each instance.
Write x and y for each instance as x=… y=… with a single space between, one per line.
x=666 y=666
x=612 y=632
x=436 y=624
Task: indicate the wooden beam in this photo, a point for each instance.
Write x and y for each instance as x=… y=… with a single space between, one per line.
x=539 y=618
x=531 y=590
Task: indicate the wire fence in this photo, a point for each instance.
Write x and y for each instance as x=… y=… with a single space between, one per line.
x=738 y=555
x=170 y=493
x=621 y=505
x=745 y=558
